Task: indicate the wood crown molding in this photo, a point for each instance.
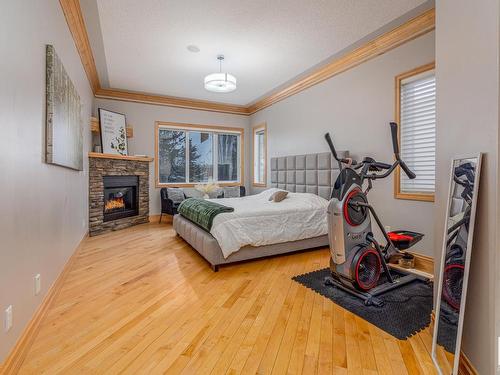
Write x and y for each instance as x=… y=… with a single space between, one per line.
x=16 y=357
x=74 y=18
x=76 y=24
x=170 y=101
x=406 y=32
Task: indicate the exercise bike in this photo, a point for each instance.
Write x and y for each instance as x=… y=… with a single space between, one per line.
x=357 y=258
x=456 y=244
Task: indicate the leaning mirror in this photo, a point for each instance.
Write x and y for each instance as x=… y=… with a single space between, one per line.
x=455 y=261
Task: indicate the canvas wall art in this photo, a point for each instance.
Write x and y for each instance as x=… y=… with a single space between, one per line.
x=64 y=144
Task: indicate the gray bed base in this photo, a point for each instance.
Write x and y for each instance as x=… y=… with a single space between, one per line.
x=310 y=173
x=208 y=247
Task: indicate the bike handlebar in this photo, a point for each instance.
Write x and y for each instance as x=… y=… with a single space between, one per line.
x=395 y=146
x=332 y=147
x=334 y=152
x=376 y=164
x=407 y=170
x=395 y=143
x=381 y=165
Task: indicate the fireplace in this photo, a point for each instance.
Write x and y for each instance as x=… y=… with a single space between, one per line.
x=120 y=197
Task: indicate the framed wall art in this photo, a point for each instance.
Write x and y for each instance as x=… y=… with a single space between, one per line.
x=113 y=132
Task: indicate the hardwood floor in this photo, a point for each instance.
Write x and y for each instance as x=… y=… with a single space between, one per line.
x=142 y=301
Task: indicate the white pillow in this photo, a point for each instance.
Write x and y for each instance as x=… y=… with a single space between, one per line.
x=231 y=191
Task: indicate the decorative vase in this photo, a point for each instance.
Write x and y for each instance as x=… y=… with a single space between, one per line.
x=205 y=196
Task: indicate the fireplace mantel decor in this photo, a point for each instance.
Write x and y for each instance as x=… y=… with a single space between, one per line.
x=118 y=192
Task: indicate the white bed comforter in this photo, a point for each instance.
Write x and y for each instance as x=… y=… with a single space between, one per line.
x=257 y=221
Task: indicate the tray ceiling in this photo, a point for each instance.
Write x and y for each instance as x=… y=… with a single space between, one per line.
x=142 y=45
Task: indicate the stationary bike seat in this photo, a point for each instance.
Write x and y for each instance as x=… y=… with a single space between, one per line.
x=403 y=239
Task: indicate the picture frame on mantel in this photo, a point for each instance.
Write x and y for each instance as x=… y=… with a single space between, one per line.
x=113 y=132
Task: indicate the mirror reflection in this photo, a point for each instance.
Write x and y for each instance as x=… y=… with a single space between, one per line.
x=453 y=267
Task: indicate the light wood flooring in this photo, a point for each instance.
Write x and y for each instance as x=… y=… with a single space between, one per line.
x=141 y=301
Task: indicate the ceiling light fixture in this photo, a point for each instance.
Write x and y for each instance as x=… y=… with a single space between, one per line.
x=220 y=82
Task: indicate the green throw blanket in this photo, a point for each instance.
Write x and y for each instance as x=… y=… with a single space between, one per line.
x=202 y=212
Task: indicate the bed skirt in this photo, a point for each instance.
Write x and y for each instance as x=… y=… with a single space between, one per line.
x=208 y=247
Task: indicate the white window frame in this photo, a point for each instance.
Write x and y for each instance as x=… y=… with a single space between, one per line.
x=215 y=131
x=255 y=162
x=400 y=80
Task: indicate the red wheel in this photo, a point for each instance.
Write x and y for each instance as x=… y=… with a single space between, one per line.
x=367 y=268
x=453 y=276
x=355 y=215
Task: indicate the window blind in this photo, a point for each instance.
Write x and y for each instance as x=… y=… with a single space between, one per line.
x=259 y=157
x=418 y=132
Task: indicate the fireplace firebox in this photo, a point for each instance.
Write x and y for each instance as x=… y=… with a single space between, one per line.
x=120 y=197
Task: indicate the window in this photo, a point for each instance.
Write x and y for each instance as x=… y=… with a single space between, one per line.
x=416 y=116
x=190 y=154
x=259 y=155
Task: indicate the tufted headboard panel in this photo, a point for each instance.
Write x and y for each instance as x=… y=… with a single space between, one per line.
x=311 y=173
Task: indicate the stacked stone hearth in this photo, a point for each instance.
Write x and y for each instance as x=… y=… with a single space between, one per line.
x=100 y=167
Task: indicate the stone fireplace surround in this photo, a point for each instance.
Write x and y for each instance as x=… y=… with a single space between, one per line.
x=101 y=165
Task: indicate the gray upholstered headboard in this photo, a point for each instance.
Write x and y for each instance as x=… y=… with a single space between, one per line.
x=311 y=173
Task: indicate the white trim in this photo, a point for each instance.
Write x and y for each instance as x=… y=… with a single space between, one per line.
x=207 y=129
x=466 y=268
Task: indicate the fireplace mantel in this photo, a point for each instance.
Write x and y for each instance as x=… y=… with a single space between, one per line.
x=119 y=157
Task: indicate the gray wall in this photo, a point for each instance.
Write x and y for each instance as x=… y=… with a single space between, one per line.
x=467 y=48
x=143 y=116
x=355 y=107
x=44 y=207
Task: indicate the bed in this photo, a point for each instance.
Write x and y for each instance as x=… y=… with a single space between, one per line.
x=259 y=228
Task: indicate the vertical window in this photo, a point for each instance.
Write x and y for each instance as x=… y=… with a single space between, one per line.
x=416 y=116
x=259 y=155
x=227 y=151
x=190 y=154
x=201 y=161
x=172 y=155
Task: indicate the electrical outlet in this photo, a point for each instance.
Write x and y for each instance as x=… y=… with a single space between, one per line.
x=38 y=284
x=387 y=228
x=7 y=323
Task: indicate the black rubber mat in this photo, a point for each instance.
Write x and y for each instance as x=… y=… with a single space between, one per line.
x=406 y=309
x=447 y=328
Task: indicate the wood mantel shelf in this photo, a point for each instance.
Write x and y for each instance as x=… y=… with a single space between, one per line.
x=120 y=157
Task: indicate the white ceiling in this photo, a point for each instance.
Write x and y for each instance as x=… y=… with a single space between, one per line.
x=266 y=43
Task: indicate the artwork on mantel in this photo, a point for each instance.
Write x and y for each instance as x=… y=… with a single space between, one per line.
x=64 y=144
x=113 y=132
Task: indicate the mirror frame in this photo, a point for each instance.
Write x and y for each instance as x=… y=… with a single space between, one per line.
x=458 y=342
